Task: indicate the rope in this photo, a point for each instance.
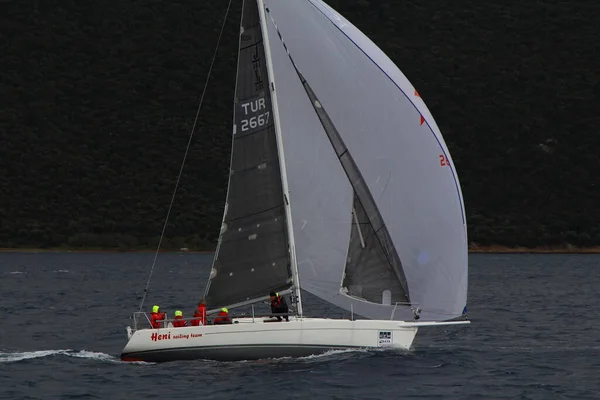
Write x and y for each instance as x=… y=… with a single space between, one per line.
x=185 y=155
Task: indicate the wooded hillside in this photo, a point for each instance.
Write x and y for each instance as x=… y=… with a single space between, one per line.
x=98 y=100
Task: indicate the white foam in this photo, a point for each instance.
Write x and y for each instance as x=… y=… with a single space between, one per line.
x=14 y=357
x=330 y=353
x=91 y=355
x=325 y=355
x=16 y=272
x=61 y=270
x=94 y=355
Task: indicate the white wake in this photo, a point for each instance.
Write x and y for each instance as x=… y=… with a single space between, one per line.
x=335 y=353
x=8 y=357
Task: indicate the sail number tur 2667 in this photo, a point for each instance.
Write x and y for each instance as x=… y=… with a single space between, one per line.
x=255 y=114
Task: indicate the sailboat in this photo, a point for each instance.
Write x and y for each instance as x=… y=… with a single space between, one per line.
x=340 y=185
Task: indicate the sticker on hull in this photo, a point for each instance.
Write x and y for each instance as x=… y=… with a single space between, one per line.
x=385 y=338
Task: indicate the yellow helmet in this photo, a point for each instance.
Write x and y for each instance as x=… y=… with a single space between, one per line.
x=155 y=308
x=178 y=313
x=225 y=310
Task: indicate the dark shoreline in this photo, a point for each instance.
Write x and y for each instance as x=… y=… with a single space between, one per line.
x=66 y=250
x=472 y=249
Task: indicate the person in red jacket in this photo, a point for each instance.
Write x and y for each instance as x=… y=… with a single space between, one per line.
x=156 y=317
x=200 y=314
x=179 y=322
x=223 y=317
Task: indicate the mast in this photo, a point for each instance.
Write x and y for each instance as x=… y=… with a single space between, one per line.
x=282 y=165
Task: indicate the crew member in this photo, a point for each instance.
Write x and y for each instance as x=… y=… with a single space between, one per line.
x=156 y=317
x=179 y=322
x=223 y=317
x=200 y=314
x=278 y=305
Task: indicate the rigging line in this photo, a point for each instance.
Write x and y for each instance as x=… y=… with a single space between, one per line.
x=162 y=234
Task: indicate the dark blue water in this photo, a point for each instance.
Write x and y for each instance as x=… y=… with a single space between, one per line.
x=535 y=335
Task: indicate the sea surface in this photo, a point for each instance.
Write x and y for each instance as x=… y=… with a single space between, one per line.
x=535 y=334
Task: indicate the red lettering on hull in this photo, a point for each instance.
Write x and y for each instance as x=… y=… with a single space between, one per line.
x=155 y=336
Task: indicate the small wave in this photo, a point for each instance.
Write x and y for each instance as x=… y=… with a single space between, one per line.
x=14 y=357
x=334 y=353
x=16 y=272
x=313 y=357
x=60 y=271
x=28 y=355
x=94 y=355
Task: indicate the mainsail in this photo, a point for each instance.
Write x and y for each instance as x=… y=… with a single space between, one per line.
x=399 y=152
x=252 y=256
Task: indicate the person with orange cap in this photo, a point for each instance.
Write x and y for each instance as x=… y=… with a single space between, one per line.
x=200 y=314
x=156 y=317
x=179 y=322
x=223 y=317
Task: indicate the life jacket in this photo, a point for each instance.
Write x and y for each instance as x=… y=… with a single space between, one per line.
x=224 y=320
x=279 y=304
x=276 y=302
x=155 y=319
x=201 y=316
x=179 y=322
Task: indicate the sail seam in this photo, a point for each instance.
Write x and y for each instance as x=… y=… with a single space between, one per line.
x=256 y=213
x=252 y=45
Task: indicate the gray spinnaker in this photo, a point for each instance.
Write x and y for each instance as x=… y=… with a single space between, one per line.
x=380 y=267
x=316 y=204
x=252 y=256
x=398 y=149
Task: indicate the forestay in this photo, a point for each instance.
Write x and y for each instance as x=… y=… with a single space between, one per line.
x=252 y=257
x=398 y=150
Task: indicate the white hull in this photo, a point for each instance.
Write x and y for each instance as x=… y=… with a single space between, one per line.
x=248 y=340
